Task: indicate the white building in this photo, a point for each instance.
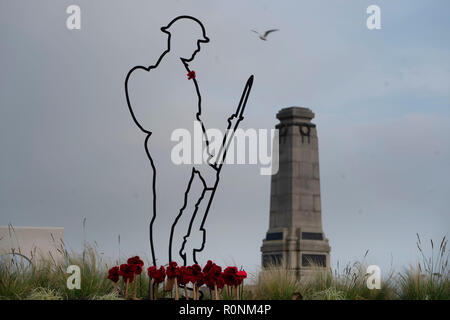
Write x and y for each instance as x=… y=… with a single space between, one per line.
x=33 y=243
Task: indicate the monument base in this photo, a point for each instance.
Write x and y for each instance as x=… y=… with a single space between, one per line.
x=303 y=252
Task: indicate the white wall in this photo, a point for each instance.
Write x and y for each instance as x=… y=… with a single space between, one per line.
x=35 y=243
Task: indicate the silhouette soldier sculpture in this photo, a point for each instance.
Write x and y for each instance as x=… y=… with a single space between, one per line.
x=182 y=193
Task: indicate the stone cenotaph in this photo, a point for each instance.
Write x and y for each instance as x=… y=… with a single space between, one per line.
x=295 y=238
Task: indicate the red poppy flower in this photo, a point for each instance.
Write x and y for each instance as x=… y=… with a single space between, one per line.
x=172 y=270
x=216 y=270
x=220 y=281
x=114 y=274
x=158 y=275
x=209 y=281
x=230 y=276
x=127 y=272
x=196 y=275
x=200 y=280
x=184 y=275
x=211 y=272
x=132 y=267
x=138 y=269
x=241 y=275
x=189 y=272
x=191 y=75
x=208 y=266
x=137 y=262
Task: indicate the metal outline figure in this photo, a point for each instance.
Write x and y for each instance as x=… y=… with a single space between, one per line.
x=233 y=122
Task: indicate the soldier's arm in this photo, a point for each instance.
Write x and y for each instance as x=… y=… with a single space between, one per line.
x=211 y=160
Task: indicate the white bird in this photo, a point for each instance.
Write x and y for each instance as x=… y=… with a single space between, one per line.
x=264 y=37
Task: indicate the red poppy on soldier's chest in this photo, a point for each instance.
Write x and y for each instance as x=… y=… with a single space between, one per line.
x=191 y=75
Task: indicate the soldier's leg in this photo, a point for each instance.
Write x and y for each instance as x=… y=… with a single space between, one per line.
x=184 y=222
x=169 y=193
x=193 y=192
x=195 y=235
x=153 y=202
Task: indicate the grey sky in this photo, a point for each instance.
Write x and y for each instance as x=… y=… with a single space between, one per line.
x=70 y=150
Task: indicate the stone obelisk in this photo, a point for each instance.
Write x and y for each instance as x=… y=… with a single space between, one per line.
x=295 y=238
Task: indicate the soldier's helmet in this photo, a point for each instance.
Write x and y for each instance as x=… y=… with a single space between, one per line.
x=182 y=23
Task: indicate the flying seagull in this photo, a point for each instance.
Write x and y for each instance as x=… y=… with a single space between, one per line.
x=264 y=37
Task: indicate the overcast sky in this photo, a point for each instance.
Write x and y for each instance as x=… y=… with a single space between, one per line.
x=69 y=149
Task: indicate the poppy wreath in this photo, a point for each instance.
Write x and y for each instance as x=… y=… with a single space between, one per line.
x=174 y=277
